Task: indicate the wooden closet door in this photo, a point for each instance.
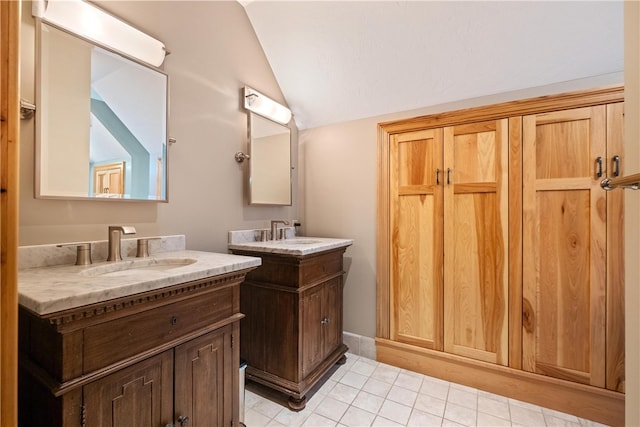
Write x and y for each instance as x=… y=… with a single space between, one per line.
x=416 y=238
x=475 y=239
x=564 y=245
x=615 y=251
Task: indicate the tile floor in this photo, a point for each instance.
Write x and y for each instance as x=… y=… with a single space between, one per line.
x=363 y=392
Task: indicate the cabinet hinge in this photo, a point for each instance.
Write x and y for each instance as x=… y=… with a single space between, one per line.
x=83 y=416
x=232 y=340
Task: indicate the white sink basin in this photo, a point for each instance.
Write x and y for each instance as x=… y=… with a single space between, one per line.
x=136 y=266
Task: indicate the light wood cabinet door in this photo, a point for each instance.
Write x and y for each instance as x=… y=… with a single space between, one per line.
x=475 y=238
x=203 y=372
x=108 y=179
x=416 y=262
x=615 y=251
x=564 y=245
x=140 y=395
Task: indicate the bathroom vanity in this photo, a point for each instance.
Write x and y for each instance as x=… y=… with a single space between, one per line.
x=142 y=342
x=292 y=333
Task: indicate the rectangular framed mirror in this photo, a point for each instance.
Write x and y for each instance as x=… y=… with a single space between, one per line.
x=101 y=122
x=269 y=162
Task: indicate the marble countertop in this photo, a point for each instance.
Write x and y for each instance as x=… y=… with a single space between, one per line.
x=50 y=289
x=294 y=246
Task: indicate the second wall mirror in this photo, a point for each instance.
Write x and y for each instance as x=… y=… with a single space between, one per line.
x=270 y=162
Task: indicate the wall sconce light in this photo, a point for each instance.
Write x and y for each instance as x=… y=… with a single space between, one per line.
x=94 y=24
x=265 y=106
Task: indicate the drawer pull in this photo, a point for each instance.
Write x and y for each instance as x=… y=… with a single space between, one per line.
x=174 y=321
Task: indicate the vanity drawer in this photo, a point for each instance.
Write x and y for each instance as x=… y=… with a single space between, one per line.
x=294 y=271
x=112 y=341
x=320 y=267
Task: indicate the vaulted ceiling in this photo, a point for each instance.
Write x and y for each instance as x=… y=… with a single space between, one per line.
x=337 y=61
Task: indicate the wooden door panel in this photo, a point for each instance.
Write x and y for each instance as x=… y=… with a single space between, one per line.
x=416 y=163
x=557 y=160
x=416 y=230
x=202 y=373
x=475 y=157
x=563 y=294
x=476 y=303
x=417 y=292
x=332 y=309
x=140 y=395
x=615 y=253
x=476 y=232
x=564 y=245
x=312 y=315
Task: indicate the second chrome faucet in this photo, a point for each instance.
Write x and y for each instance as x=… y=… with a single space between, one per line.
x=274 y=227
x=115 y=233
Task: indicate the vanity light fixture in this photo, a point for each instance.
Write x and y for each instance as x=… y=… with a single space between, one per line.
x=94 y=24
x=265 y=106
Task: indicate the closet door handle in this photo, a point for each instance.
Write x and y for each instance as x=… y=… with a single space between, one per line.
x=437 y=176
x=599 y=167
x=448 y=176
x=616 y=165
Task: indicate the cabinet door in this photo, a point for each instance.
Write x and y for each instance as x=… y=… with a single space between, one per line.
x=312 y=325
x=416 y=263
x=203 y=379
x=140 y=395
x=564 y=245
x=321 y=323
x=615 y=251
x=332 y=319
x=475 y=238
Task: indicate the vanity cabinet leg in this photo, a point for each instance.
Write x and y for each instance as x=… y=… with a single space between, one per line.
x=296 y=404
x=342 y=360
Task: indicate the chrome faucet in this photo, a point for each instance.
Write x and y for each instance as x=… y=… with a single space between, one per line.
x=115 y=232
x=274 y=228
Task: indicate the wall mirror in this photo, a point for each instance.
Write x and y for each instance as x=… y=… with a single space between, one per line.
x=101 y=122
x=270 y=162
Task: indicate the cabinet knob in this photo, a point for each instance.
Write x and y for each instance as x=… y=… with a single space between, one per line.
x=183 y=420
x=325 y=321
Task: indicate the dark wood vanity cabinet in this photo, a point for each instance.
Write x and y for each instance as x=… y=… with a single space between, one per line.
x=161 y=358
x=292 y=331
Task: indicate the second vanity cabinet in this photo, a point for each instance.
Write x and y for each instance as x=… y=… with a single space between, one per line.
x=165 y=357
x=292 y=330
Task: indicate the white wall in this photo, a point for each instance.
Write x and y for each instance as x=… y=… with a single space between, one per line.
x=214 y=53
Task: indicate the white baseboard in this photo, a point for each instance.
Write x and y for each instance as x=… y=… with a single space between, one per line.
x=360 y=345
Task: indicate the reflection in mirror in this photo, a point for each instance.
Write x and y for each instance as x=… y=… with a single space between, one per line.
x=101 y=122
x=270 y=162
